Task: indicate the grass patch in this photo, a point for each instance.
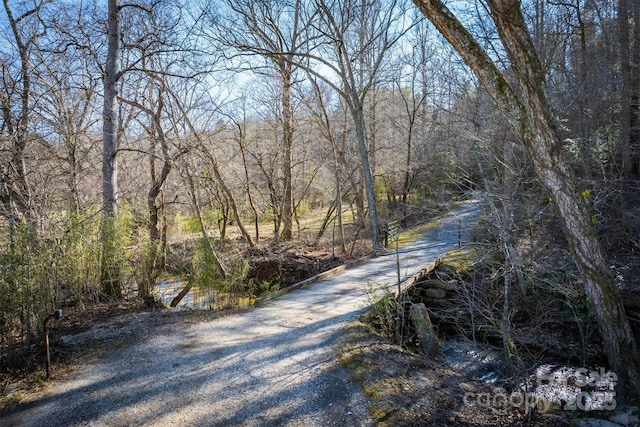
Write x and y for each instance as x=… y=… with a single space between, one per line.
x=380 y=369
x=461 y=260
x=411 y=235
x=406 y=390
x=10 y=400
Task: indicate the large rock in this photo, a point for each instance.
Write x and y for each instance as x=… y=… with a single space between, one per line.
x=420 y=318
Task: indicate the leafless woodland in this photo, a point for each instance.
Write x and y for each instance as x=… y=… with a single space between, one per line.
x=141 y=140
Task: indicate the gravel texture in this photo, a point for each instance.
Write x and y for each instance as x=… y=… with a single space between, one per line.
x=274 y=365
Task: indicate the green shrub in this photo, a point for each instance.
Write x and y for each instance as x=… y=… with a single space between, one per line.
x=188 y=222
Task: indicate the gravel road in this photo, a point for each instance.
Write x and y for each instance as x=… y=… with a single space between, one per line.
x=274 y=365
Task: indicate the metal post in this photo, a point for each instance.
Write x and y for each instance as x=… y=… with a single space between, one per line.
x=46 y=344
x=55 y=315
x=398 y=264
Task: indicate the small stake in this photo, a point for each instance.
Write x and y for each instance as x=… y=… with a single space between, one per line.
x=55 y=315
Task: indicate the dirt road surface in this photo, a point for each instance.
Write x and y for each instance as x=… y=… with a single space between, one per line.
x=274 y=365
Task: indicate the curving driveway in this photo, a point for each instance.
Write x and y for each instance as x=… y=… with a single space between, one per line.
x=274 y=365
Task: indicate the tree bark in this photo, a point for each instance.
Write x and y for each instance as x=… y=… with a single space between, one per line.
x=109 y=135
x=16 y=177
x=110 y=272
x=361 y=135
x=176 y=300
x=632 y=167
x=152 y=197
x=286 y=73
x=628 y=15
x=529 y=115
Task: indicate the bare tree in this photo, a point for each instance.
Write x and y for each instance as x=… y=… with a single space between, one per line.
x=240 y=137
x=110 y=273
x=274 y=30
x=109 y=125
x=356 y=37
x=628 y=28
x=26 y=29
x=411 y=83
x=317 y=106
x=158 y=137
x=526 y=109
x=67 y=89
x=212 y=162
x=147 y=36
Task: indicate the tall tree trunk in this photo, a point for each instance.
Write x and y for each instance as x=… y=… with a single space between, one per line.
x=110 y=272
x=361 y=134
x=73 y=180
x=630 y=90
x=633 y=163
x=528 y=113
x=625 y=90
x=16 y=175
x=586 y=116
x=372 y=134
x=158 y=181
x=406 y=186
x=287 y=136
x=343 y=247
x=157 y=136
x=109 y=132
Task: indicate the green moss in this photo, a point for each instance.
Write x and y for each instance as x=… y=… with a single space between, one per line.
x=460 y=260
x=409 y=236
x=365 y=367
x=380 y=413
x=10 y=400
x=357 y=370
x=413 y=234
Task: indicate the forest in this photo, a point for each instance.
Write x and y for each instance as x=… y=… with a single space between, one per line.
x=143 y=140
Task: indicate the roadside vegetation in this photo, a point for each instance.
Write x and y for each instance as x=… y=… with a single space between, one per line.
x=242 y=146
x=477 y=306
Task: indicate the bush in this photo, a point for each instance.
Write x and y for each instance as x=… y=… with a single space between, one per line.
x=188 y=222
x=61 y=268
x=207 y=279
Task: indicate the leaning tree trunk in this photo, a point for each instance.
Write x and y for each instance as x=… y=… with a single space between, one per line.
x=544 y=146
x=227 y=192
x=216 y=172
x=256 y=216
x=528 y=113
x=155 y=243
x=615 y=330
x=203 y=230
